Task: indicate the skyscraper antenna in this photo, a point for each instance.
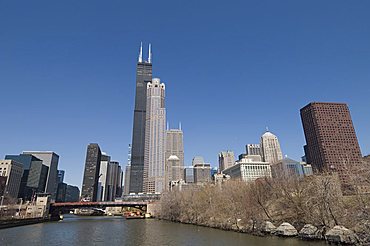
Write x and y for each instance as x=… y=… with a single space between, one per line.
x=180 y=125
x=267 y=129
x=141 y=52
x=150 y=54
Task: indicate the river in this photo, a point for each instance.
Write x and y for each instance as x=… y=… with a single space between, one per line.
x=111 y=231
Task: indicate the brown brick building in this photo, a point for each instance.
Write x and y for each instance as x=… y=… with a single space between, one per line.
x=331 y=138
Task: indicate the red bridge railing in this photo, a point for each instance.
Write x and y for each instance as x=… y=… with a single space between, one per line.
x=93 y=204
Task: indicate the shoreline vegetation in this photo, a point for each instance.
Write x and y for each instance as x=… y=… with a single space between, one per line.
x=310 y=208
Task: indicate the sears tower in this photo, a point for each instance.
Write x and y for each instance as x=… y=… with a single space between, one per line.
x=143 y=76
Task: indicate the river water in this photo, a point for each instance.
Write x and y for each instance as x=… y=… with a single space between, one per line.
x=111 y=231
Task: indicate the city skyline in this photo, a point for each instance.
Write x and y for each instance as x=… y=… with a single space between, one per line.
x=315 y=69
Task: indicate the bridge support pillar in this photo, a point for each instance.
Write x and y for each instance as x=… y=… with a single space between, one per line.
x=154 y=208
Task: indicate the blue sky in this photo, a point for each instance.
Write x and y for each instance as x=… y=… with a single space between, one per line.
x=231 y=68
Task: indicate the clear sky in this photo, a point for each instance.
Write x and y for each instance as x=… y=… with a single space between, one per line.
x=231 y=68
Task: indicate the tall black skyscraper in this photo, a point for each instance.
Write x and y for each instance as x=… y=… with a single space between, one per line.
x=143 y=76
x=91 y=174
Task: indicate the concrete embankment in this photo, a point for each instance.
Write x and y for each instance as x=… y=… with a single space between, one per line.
x=21 y=222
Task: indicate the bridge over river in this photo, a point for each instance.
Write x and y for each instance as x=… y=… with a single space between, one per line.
x=135 y=201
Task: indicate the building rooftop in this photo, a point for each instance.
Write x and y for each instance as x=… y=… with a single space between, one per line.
x=328 y=103
x=268 y=134
x=39 y=152
x=173 y=158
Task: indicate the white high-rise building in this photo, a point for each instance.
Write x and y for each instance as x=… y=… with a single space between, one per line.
x=155 y=138
x=270 y=148
x=126 y=187
x=175 y=144
x=174 y=155
x=249 y=169
x=103 y=177
x=174 y=171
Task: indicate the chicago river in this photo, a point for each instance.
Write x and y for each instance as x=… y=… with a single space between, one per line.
x=75 y=230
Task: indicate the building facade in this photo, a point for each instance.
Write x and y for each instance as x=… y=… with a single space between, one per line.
x=155 y=138
x=103 y=177
x=143 y=76
x=248 y=170
x=175 y=144
x=202 y=173
x=61 y=176
x=174 y=170
x=121 y=175
x=72 y=194
x=307 y=169
x=13 y=172
x=197 y=160
x=241 y=156
x=114 y=181
x=270 y=148
x=174 y=147
x=226 y=159
x=331 y=141
x=220 y=178
x=253 y=149
x=126 y=190
x=189 y=174
x=3 y=180
x=36 y=181
x=61 y=192
x=41 y=207
x=34 y=177
x=91 y=174
x=51 y=160
x=289 y=167
x=174 y=156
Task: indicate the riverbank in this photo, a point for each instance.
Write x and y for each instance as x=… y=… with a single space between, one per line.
x=22 y=222
x=258 y=233
x=338 y=235
x=306 y=208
